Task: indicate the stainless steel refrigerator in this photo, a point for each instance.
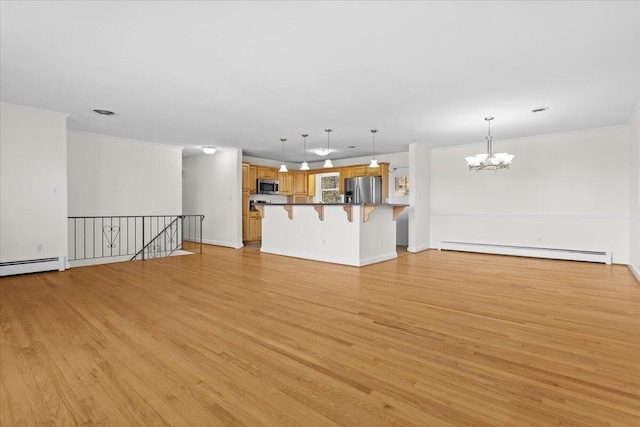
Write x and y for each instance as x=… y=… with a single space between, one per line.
x=364 y=189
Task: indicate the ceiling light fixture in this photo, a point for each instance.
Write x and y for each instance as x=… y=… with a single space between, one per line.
x=209 y=150
x=305 y=165
x=327 y=163
x=103 y=112
x=283 y=167
x=487 y=161
x=374 y=162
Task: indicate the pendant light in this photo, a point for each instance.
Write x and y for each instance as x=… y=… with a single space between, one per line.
x=305 y=165
x=283 y=167
x=487 y=161
x=327 y=163
x=374 y=162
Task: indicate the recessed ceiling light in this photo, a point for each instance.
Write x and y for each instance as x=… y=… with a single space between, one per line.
x=103 y=112
x=209 y=150
x=351 y=146
x=539 y=110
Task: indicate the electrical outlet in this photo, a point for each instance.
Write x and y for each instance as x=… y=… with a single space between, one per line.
x=39 y=248
x=381 y=242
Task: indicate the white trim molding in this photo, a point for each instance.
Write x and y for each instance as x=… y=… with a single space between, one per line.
x=32 y=266
x=529 y=251
x=635 y=271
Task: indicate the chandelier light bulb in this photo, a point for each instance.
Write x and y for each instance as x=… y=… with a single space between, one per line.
x=488 y=160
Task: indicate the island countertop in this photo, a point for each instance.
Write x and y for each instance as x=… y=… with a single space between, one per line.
x=343 y=233
x=333 y=204
x=366 y=208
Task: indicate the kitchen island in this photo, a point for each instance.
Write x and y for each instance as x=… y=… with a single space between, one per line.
x=350 y=234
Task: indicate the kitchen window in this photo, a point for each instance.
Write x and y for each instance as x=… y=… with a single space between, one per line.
x=328 y=188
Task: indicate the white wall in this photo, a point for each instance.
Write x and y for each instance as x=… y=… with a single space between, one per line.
x=33 y=183
x=634 y=200
x=419 y=198
x=212 y=186
x=568 y=191
x=118 y=176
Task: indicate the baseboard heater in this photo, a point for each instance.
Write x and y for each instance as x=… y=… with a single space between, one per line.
x=528 y=251
x=31 y=266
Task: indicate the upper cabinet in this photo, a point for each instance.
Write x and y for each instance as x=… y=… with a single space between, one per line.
x=245 y=177
x=346 y=172
x=264 y=172
x=360 y=170
x=285 y=183
x=300 y=184
x=253 y=176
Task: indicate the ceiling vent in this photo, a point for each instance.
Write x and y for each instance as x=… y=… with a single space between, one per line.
x=104 y=112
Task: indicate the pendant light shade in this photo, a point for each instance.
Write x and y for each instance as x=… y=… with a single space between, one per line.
x=327 y=163
x=283 y=167
x=374 y=162
x=305 y=165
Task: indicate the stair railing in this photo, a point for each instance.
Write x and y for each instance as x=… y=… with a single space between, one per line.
x=127 y=237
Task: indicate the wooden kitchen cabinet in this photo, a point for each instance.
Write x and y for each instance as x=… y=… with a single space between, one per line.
x=300 y=183
x=360 y=170
x=255 y=225
x=245 y=177
x=345 y=173
x=311 y=185
x=264 y=172
x=253 y=176
x=246 y=229
x=299 y=199
x=245 y=215
x=285 y=183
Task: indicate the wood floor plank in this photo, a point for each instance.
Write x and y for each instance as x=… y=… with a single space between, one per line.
x=236 y=337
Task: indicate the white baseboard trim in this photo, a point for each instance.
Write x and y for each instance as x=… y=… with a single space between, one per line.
x=379 y=258
x=330 y=259
x=415 y=249
x=98 y=261
x=635 y=270
x=529 y=251
x=222 y=243
x=32 y=266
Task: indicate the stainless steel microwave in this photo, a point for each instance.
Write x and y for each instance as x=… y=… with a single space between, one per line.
x=267 y=186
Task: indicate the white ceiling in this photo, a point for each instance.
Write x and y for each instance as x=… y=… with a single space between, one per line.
x=245 y=74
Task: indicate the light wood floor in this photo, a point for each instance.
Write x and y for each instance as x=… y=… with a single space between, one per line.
x=236 y=337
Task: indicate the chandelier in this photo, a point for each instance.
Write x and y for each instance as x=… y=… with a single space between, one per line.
x=489 y=161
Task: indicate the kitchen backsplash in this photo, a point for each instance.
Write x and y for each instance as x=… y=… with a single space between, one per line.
x=273 y=198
